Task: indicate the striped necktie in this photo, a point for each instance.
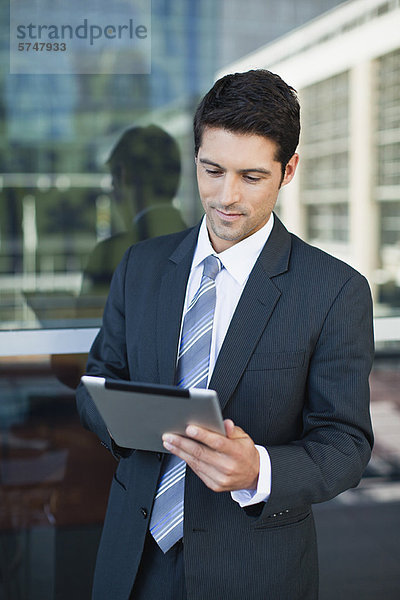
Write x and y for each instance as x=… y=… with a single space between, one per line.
x=166 y=523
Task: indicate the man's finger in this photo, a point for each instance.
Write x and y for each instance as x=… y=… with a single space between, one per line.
x=206 y=463
x=213 y=440
x=229 y=427
x=185 y=447
x=232 y=431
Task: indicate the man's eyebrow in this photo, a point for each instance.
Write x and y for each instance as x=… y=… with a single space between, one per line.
x=205 y=161
x=256 y=170
x=261 y=170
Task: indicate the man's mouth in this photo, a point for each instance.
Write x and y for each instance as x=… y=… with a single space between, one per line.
x=228 y=216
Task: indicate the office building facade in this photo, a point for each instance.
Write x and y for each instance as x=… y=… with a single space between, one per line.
x=346 y=68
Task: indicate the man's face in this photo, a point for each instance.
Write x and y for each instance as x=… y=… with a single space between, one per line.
x=239 y=180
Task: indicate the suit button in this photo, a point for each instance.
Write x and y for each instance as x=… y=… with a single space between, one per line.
x=159 y=455
x=144 y=512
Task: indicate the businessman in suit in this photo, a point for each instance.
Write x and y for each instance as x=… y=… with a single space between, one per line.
x=289 y=354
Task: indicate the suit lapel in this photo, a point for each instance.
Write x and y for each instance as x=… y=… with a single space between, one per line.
x=170 y=305
x=252 y=314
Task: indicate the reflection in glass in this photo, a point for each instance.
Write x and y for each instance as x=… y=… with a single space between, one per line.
x=145 y=168
x=54 y=480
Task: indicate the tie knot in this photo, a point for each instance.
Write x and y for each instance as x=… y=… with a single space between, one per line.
x=212 y=266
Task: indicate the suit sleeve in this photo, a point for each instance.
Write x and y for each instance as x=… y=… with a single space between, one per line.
x=337 y=438
x=108 y=356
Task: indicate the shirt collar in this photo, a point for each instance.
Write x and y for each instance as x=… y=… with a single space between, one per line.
x=240 y=258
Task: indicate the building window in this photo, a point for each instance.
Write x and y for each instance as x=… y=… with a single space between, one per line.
x=328 y=223
x=388 y=176
x=390 y=224
x=324 y=176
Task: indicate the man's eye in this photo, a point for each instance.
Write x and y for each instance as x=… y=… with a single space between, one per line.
x=251 y=179
x=213 y=172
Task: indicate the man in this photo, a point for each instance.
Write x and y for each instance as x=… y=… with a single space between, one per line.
x=145 y=166
x=290 y=354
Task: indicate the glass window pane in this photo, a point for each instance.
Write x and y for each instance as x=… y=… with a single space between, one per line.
x=55 y=478
x=324 y=173
x=66 y=212
x=388 y=177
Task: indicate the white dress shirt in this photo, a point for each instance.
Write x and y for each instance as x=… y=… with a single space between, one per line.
x=238 y=262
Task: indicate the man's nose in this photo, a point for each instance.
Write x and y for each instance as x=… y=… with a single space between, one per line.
x=230 y=191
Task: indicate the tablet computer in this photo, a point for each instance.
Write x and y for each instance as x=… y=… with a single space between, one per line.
x=138 y=414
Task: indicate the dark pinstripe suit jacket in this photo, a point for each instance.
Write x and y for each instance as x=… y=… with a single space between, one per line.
x=292 y=372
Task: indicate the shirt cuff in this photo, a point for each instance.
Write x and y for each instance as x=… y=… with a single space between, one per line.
x=262 y=493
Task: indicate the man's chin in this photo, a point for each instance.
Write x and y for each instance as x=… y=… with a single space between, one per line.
x=228 y=233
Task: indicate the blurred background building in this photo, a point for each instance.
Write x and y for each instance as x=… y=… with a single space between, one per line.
x=346 y=68
x=59 y=201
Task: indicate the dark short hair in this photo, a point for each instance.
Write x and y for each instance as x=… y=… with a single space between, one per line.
x=255 y=102
x=150 y=157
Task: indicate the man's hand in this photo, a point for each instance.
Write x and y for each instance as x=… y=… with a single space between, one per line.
x=224 y=464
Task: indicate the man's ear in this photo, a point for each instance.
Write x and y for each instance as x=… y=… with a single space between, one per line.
x=290 y=169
